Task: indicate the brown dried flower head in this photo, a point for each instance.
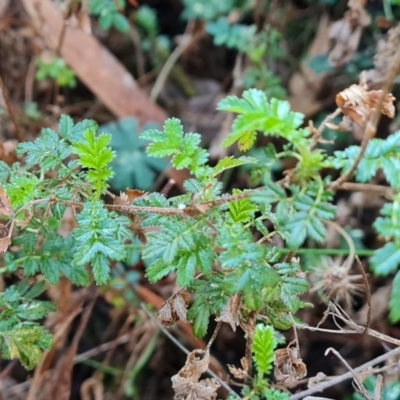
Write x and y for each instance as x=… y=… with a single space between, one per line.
x=334 y=282
x=289 y=366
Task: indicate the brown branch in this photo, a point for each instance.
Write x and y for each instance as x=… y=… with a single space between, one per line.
x=385 y=191
x=10 y=111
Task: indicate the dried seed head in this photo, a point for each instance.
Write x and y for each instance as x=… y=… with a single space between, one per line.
x=333 y=282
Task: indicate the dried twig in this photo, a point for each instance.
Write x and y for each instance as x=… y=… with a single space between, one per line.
x=367 y=290
x=185 y=42
x=360 y=387
x=10 y=111
x=348 y=375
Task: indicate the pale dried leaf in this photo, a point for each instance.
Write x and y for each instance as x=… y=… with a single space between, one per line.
x=317 y=379
x=206 y=389
x=5 y=203
x=385 y=57
x=238 y=373
x=346 y=33
x=289 y=367
x=174 y=309
x=24 y=223
x=4 y=243
x=231 y=312
x=186 y=383
x=180 y=306
x=165 y=315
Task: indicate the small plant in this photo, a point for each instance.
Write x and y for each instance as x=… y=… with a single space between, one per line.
x=57 y=70
x=109 y=13
x=204 y=236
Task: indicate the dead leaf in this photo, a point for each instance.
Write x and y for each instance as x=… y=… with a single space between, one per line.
x=5 y=243
x=289 y=367
x=231 y=312
x=346 y=33
x=129 y=196
x=186 y=383
x=24 y=223
x=240 y=373
x=174 y=309
x=357 y=103
x=7 y=150
x=385 y=57
x=5 y=203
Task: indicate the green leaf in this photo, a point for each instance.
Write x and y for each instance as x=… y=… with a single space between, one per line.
x=394 y=303
x=184 y=148
x=200 y=316
x=242 y=210
x=386 y=260
x=47 y=150
x=231 y=162
x=99 y=238
x=25 y=343
x=95 y=156
x=258 y=114
x=264 y=345
x=158 y=270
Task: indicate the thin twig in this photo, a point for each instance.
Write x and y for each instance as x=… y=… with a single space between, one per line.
x=348 y=375
x=10 y=111
x=349 y=240
x=385 y=191
x=185 y=42
x=360 y=386
x=368 y=292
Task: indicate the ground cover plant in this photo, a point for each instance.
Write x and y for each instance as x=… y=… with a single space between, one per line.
x=237 y=237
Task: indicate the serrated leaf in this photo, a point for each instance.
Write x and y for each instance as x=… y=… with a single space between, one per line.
x=231 y=162
x=95 y=155
x=386 y=260
x=264 y=344
x=158 y=270
x=47 y=150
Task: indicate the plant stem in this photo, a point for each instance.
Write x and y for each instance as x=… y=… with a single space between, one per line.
x=328 y=252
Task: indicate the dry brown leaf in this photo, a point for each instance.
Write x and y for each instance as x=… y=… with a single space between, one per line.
x=238 y=373
x=231 y=312
x=357 y=103
x=7 y=150
x=289 y=367
x=24 y=223
x=346 y=33
x=130 y=195
x=186 y=383
x=5 y=203
x=174 y=309
x=385 y=57
x=4 y=243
